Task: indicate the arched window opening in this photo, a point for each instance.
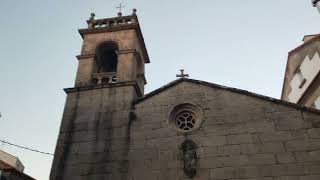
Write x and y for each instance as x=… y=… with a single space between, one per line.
x=107 y=63
x=107 y=59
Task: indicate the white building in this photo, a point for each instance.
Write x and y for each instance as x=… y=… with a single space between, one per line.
x=302 y=77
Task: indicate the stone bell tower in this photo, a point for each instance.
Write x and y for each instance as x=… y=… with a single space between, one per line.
x=94 y=136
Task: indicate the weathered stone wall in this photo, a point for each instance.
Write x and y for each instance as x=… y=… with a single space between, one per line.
x=93 y=141
x=129 y=48
x=94 y=136
x=242 y=137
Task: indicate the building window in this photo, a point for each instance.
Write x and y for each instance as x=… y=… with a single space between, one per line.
x=185 y=117
x=302 y=80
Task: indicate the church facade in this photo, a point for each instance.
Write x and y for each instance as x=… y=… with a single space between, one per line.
x=187 y=129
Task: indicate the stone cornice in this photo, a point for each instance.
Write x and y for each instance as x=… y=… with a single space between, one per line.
x=85 y=56
x=101 y=86
x=127 y=51
x=107 y=29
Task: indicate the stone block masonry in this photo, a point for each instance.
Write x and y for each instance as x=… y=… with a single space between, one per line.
x=242 y=137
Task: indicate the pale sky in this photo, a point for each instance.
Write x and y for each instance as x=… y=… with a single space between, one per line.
x=240 y=44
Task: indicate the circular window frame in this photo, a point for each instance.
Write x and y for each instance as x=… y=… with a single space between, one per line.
x=190 y=114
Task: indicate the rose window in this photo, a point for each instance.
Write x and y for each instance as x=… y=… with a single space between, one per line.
x=185 y=117
x=185 y=121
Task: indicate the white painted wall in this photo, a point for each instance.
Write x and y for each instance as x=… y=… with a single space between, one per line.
x=309 y=69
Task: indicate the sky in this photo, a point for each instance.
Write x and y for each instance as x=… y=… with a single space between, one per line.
x=242 y=44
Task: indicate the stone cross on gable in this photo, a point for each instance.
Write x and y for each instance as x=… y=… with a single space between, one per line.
x=120 y=8
x=182 y=75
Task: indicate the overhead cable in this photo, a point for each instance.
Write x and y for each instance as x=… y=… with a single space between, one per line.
x=26 y=148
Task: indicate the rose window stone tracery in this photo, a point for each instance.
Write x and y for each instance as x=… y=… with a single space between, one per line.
x=185 y=117
x=185 y=120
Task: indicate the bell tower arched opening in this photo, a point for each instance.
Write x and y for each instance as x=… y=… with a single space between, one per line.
x=106 y=57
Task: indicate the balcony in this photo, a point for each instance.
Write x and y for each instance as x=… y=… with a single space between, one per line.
x=104 y=78
x=112 y=22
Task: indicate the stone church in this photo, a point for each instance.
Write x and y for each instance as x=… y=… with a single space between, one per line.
x=187 y=129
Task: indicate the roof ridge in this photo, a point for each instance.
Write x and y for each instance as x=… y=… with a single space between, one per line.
x=317 y=36
x=241 y=91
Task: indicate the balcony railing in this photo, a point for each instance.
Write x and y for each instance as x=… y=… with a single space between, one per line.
x=111 y=22
x=104 y=78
